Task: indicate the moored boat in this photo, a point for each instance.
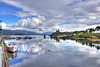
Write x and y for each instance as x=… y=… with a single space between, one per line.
x=11 y=47
x=17 y=38
x=62 y=37
x=28 y=37
x=59 y=37
x=21 y=37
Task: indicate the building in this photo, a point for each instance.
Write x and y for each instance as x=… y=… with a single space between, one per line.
x=2 y=25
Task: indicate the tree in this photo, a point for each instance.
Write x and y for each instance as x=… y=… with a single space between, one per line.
x=90 y=30
x=97 y=28
x=57 y=31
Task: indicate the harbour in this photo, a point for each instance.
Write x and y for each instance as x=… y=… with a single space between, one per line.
x=40 y=51
x=49 y=33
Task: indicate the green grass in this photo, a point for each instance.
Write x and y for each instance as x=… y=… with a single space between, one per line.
x=78 y=34
x=88 y=35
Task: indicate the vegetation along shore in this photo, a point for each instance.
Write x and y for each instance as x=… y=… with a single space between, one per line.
x=92 y=34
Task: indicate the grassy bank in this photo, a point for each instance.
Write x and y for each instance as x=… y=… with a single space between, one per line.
x=88 y=34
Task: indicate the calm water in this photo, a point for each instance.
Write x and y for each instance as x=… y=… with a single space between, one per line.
x=40 y=52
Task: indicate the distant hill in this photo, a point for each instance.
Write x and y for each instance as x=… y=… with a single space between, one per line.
x=22 y=32
x=47 y=33
x=18 y=32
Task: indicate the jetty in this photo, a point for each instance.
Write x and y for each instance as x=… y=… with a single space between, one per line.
x=3 y=54
x=5 y=48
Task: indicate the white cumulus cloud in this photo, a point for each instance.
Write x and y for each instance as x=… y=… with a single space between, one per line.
x=50 y=13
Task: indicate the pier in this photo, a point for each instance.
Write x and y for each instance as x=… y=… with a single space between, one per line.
x=4 y=58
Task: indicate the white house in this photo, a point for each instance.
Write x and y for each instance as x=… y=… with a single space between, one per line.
x=2 y=25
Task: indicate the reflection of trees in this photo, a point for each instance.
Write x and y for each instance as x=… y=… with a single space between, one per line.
x=83 y=42
x=91 y=45
x=51 y=37
x=55 y=38
x=97 y=47
x=44 y=36
x=88 y=43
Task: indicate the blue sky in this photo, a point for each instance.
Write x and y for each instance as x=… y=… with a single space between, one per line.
x=65 y=23
x=7 y=13
x=49 y=15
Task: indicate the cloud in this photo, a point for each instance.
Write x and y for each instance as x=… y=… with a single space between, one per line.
x=55 y=13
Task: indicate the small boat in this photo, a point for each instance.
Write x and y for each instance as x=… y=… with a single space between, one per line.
x=11 y=47
x=61 y=37
x=21 y=37
x=28 y=37
x=16 y=38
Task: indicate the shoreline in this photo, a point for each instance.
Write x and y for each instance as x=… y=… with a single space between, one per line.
x=74 y=37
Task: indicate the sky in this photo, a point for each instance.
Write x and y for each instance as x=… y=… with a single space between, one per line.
x=6 y=13
x=48 y=15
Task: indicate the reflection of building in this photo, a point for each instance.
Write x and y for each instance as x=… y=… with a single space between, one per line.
x=12 y=55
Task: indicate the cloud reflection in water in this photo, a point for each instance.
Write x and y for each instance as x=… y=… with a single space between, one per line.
x=48 y=53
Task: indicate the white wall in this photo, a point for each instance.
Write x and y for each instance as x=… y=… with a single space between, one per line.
x=2 y=25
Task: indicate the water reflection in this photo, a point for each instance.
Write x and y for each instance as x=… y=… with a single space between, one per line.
x=55 y=38
x=31 y=47
x=40 y=52
x=95 y=44
x=12 y=55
